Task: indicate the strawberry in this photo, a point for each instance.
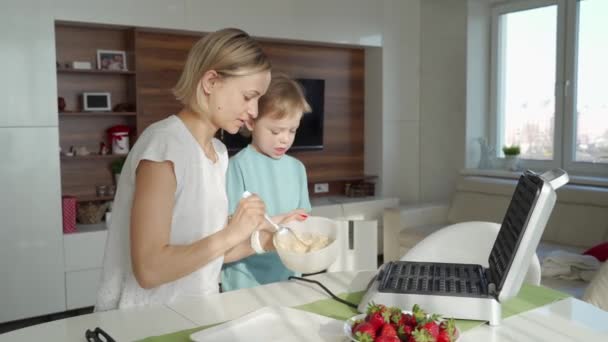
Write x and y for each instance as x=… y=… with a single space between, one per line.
x=447 y=328
x=365 y=332
x=443 y=337
x=422 y=335
x=404 y=332
x=388 y=330
x=376 y=320
x=355 y=324
x=432 y=328
x=398 y=318
x=387 y=339
x=448 y=325
x=410 y=320
x=373 y=307
x=418 y=313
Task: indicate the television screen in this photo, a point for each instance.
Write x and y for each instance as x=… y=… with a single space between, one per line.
x=310 y=133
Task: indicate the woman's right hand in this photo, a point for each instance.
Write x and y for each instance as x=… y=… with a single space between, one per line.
x=248 y=216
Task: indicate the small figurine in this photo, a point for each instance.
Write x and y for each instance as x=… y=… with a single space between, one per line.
x=103 y=149
x=61 y=104
x=70 y=152
x=82 y=151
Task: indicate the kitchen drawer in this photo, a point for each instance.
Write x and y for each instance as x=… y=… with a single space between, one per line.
x=81 y=288
x=84 y=250
x=331 y=211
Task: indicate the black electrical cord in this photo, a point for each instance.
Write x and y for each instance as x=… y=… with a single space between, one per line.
x=326 y=290
x=93 y=335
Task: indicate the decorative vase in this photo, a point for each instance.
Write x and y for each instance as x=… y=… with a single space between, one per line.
x=512 y=163
x=486 y=153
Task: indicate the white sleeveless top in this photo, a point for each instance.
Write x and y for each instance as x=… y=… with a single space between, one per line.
x=200 y=209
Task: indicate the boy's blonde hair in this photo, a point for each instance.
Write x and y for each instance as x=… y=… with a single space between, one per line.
x=283 y=98
x=230 y=52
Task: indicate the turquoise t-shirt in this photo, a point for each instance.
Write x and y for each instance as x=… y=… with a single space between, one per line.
x=282 y=185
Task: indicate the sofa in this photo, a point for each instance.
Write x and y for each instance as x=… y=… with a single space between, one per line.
x=579 y=220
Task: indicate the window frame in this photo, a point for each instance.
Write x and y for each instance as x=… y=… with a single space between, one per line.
x=570 y=86
x=564 y=148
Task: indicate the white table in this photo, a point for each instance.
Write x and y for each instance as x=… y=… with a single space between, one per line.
x=122 y=325
x=566 y=320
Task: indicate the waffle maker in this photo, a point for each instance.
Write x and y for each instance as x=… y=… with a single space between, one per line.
x=469 y=291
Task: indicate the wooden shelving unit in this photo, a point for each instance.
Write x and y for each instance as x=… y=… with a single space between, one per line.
x=342 y=179
x=92 y=198
x=95 y=114
x=95 y=72
x=80 y=175
x=92 y=157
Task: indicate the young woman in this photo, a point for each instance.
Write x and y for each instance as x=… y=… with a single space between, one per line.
x=169 y=233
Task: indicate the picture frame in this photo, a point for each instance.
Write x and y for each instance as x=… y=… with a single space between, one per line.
x=115 y=60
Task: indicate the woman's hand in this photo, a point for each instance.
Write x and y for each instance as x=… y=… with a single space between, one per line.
x=248 y=217
x=266 y=235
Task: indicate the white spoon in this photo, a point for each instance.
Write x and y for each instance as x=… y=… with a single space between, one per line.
x=278 y=228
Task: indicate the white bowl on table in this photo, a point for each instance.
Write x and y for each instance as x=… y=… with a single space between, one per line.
x=314 y=261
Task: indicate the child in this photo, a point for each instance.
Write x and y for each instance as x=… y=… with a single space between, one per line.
x=263 y=168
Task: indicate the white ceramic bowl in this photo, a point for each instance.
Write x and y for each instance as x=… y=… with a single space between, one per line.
x=315 y=261
x=348 y=327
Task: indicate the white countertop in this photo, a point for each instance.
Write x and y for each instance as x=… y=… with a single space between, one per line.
x=230 y=305
x=122 y=325
x=566 y=320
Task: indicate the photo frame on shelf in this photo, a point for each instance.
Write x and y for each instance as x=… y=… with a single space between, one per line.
x=112 y=60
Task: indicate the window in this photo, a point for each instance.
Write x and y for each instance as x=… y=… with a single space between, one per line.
x=591 y=73
x=550 y=83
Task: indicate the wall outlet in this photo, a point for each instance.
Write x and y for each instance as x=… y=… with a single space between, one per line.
x=321 y=188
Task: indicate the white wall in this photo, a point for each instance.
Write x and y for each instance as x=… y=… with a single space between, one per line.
x=28 y=89
x=442 y=96
x=400 y=100
x=478 y=78
x=424 y=79
x=357 y=22
x=32 y=282
x=403 y=142
x=373 y=113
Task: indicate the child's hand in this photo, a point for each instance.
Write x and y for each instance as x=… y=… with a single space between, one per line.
x=297 y=214
x=248 y=217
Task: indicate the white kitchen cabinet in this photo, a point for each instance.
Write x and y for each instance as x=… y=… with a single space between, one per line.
x=28 y=86
x=31 y=254
x=81 y=288
x=355 y=209
x=357 y=249
x=332 y=211
x=84 y=250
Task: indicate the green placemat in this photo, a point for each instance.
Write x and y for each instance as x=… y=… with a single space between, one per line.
x=529 y=297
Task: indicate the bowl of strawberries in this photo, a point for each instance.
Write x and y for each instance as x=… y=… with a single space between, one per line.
x=382 y=323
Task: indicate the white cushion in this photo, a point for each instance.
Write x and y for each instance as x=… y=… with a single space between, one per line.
x=575 y=288
x=546 y=247
x=409 y=237
x=597 y=292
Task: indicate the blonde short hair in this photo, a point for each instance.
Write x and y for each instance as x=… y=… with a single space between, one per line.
x=230 y=52
x=283 y=98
